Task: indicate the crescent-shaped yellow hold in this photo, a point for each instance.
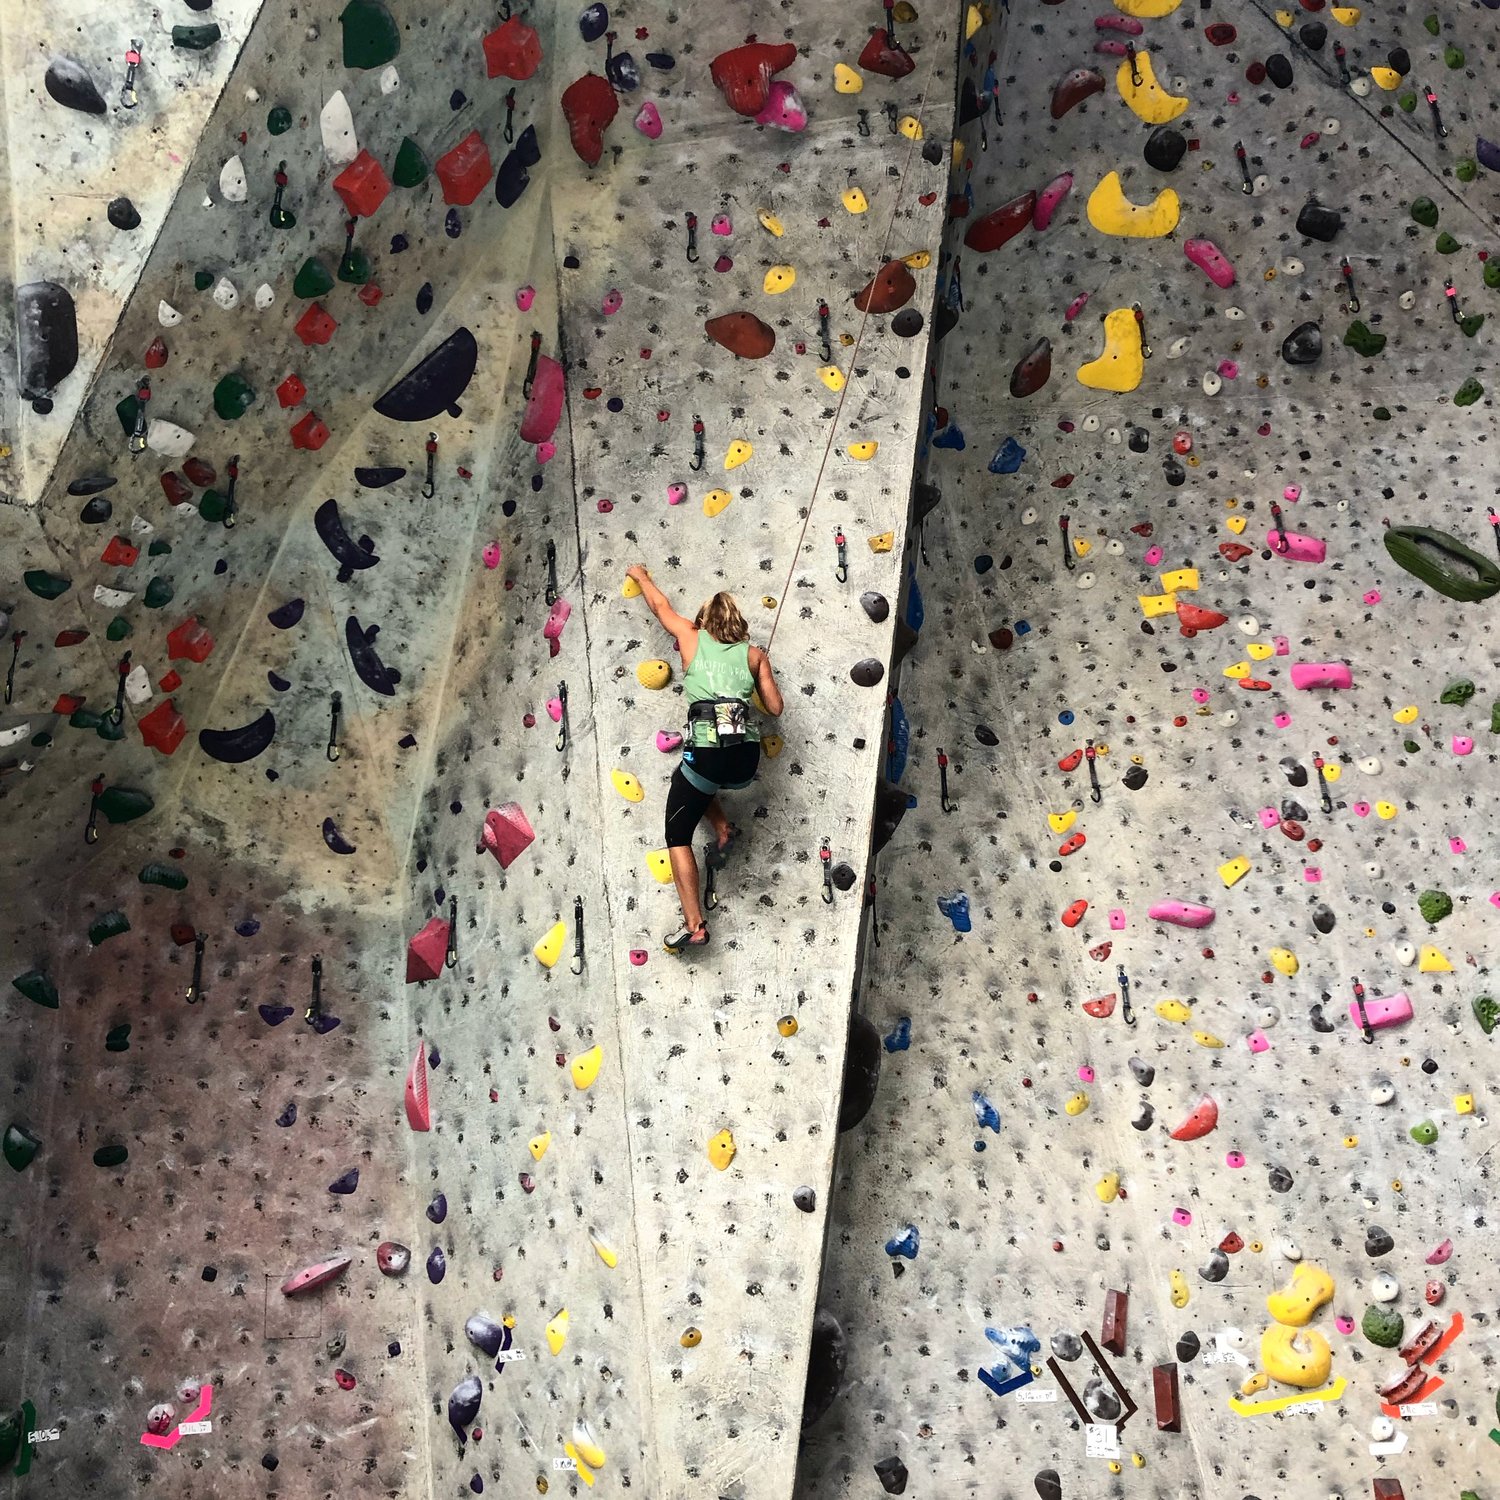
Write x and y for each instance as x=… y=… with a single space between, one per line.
x=1207 y=1039
x=1147 y=10
x=1407 y=715
x=1062 y=822
x=863 y=451
x=739 y=453
x=549 y=950
x=770 y=223
x=1122 y=364
x=603 y=1249
x=1256 y=1381
x=1295 y=1356
x=659 y=862
x=1294 y=1304
x=627 y=786
x=1180 y=1289
x=1173 y=1010
x=1284 y=961
x=654 y=674
x=721 y=1150
x=1148 y=98
x=557 y=1332
x=585 y=1067
x=1111 y=212
x=588 y=1449
x=538 y=1144
x=1107 y=1189
x=580 y=1464
x=715 y=501
x=918 y=260
x=854 y=200
x=779 y=279
x=846 y=80
x=771 y=745
x=911 y=127
x=831 y=376
x=630 y=589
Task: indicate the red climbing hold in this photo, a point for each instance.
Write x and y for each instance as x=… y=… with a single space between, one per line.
x=198 y=472
x=465 y=171
x=370 y=294
x=176 y=488
x=418 y=1111
x=512 y=50
x=189 y=641
x=1001 y=224
x=156 y=353
x=68 y=703
x=425 y=953
x=362 y=185
x=883 y=56
x=1234 y=551
x=1194 y=617
x=507 y=833
x=163 y=728
x=545 y=403
x=119 y=553
x=1073 y=88
x=171 y=681
x=742 y=333
x=1199 y=1120
x=1074 y=914
x=1101 y=1008
x=891 y=287
x=316 y=325
x=589 y=105
x=292 y=391
x=310 y=433
x=70 y=638
x=743 y=74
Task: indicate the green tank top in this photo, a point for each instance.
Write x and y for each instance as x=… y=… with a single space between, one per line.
x=719 y=671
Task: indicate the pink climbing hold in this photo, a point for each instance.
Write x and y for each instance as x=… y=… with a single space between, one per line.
x=324 y=1271
x=1153 y=556
x=545 y=452
x=1076 y=306
x=612 y=303
x=1257 y=1041
x=676 y=494
x=1297 y=546
x=554 y=710
x=491 y=555
x=418 y=1110
x=1441 y=1254
x=545 y=403
x=1112 y=49
x=1383 y=1011
x=1211 y=261
x=1462 y=745
x=1321 y=674
x=525 y=296
x=427 y=952
x=783 y=109
x=1128 y=24
x=721 y=225
x=557 y=617
x=1181 y=914
x=507 y=833
x=638 y=956
x=668 y=740
x=1050 y=199
x=648 y=121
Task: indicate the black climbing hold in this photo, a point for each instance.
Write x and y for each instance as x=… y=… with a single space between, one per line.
x=1279 y=70
x=46 y=340
x=1139 y=440
x=877 y=606
x=1378 y=1242
x=932 y=154
x=861 y=1071
x=424 y=298
x=1313 y=35
x=1280 y=1180
x=435 y=385
x=969 y=107
x=334 y=839
x=464 y=1398
x=1135 y=778
x=1323 y=919
x=437 y=1210
x=868 y=672
x=69 y=83
x=378 y=478
x=92 y=484
x=274 y=1015
x=907 y=323
x=1318 y=222
x=96 y=511
x=1303 y=345
x=892 y=1474
x=1048 y=1485
x=1066 y=1346
x=1400 y=60
x=843 y=876
x=593 y=22
x=122 y=214
x=1188 y=1347
x=245 y=742
x=353 y=557
x=890 y=807
x=945 y=322
x=1216 y=1267
x=927 y=498
x=196 y=38
x=511 y=180
x=985 y=735
x=805 y=1198
x=346 y=1182
x=453 y=224
x=284 y=616
x=1173 y=472
x=1320 y=1022
x=288 y=1117
x=1165 y=148
x=111 y=1156
x=902 y=642
x=825 y=1367
x=372 y=671
x=277 y=681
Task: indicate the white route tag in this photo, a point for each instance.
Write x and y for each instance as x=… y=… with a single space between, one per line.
x=1031 y=1393
x=1101 y=1441
x=192 y=1429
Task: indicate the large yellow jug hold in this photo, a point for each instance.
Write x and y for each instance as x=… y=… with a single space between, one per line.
x=721 y=1150
x=654 y=674
x=549 y=950
x=585 y=1067
x=630 y=589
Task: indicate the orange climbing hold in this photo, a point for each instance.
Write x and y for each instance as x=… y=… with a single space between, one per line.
x=465 y=171
x=418 y=1110
x=362 y=185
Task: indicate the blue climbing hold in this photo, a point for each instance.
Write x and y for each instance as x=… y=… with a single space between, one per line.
x=898 y=1038
x=950 y=437
x=1066 y=716
x=1017 y=1344
x=895 y=767
x=906 y=1243
x=1009 y=457
x=1023 y=627
x=986 y=1113
x=956 y=909
x=915 y=613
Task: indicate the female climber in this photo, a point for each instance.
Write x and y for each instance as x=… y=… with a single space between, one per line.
x=721 y=751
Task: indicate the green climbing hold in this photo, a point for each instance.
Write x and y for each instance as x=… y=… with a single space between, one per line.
x=1458 y=693
x=1410 y=746
x=1453 y=56
x=21 y=1146
x=107 y=729
x=202 y=280
x=159 y=592
x=1486 y=1012
x=1471 y=323
x=313 y=280
x=411 y=166
x=1383 y=1326
x=1362 y=340
x=117 y=1039
x=36 y=986
x=1495 y=718
x=46 y=585
x=195 y=38
x=111 y=924
x=1467 y=169
x=355 y=268
x=111 y=1156
x=1435 y=905
x=279 y=121
x=233 y=397
x=13 y=1426
x=371 y=37
x=1425 y=212
x=212 y=506
x=85 y=718
x=1408 y=102
x=1381 y=414
x=117 y=629
x=1446 y=244
x=167 y=875
x=127 y=410
x=1468 y=393
x=1424 y=1133
x=159 y=548
x=123 y=804
x=1432 y=24
x=41 y=740
x=1492 y=273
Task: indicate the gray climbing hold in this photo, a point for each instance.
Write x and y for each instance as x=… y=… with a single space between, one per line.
x=1378 y=1242
x=1143 y=1072
x=69 y=83
x=1066 y=1346
x=46 y=340
x=1216 y=1267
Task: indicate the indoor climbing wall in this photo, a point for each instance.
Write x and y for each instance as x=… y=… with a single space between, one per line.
x=1177 y=1179
x=362 y=1139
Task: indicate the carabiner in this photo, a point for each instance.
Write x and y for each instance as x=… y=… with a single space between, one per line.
x=890 y=23
x=1351 y=303
x=450 y=958
x=1096 y=793
x=1135 y=67
x=1127 y=1010
x=231 y=518
x=195 y=988
x=1437 y=118
x=826 y=856
x=1494 y=527
x=697 y=462
x=116 y=715
x=1367 y=1032
x=1062 y=526
x=536 y=350
x=577 y=935
x=956 y=287
x=1339 y=56
x=842 y=571
x=692 y=244
x=1280 y=544
x=825 y=347
x=510 y=115
x=553 y=593
x=137 y=441
x=348 y=267
x=1451 y=293
x=314 y=1012
x=562 y=718
x=15 y=657
x=1140 y=318
x=942 y=760
x=1324 y=793
x=1246 y=185
x=128 y=96
x=335 y=705
x=91 y=828
x=281 y=218
x=430 y=488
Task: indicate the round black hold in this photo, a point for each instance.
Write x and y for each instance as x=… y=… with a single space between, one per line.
x=932 y=154
x=902 y=373
x=985 y=735
x=1216 y=1267
x=1313 y=35
x=96 y=511
x=983 y=563
x=1048 y=1485
x=843 y=876
x=198 y=4
x=1378 y=1242
x=1400 y=60
x=1280 y=1180
x=1173 y=473
x=825 y=1367
x=907 y=323
x=877 y=606
x=269 y=1462
x=1318 y=222
x=1279 y=70
x=424 y=298
x=805 y=1198
x=1165 y=148
x=571 y=262
x=1323 y=919
x=1135 y=778
x=1139 y=440
x=891 y=804
x=867 y=673
x=1188 y=1347
x=1143 y=1073
x=457 y=99
x=1303 y=345
x=861 y=1071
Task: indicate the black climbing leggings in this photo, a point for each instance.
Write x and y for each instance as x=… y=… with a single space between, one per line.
x=717 y=768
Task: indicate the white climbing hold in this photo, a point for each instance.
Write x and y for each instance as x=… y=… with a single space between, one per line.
x=1213 y=383
x=167 y=315
x=1029 y=516
x=1382 y=1091
x=1289 y=1248
x=232 y=181
x=1385 y=1287
x=252 y=96
x=112 y=598
x=1405 y=954
x=138 y=685
x=340 y=145
x=1177 y=348
x=1234 y=314
x=264 y=296
x=1292 y=266
x=1090 y=423
x=1086 y=580
x=1114 y=546
x=390 y=79
x=1407 y=301
x=168 y=439
x=1112 y=435
x=225 y=294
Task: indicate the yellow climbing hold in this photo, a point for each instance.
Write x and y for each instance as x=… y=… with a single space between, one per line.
x=884 y=542
x=659 y=862
x=1260 y=650
x=1347 y=15
x=1180 y=1289
x=603 y=1249
x=854 y=200
x=1147 y=98
x=1239 y=671
x=846 y=80
x=654 y=674
x=1153 y=605
x=1463 y=1104
x=771 y=745
x=1383 y=809
x=721 y=1149
x=1295 y=1356
x=1253 y=1383
x=904 y=12
x=918 y=260
x=630 y=589
x=1310 y=1287
x=770 y=223
x=1179 y=578
x=1082 y=547
x=1147 y=10
x=1236 y=524
x=831 y=376
x=1107 y=1189
x=715 y=501
x=1075 y=1104
x=779 y=279
x=1120 y=367
x=863 y=451
x=1062 y=822
x=538 y=1144
x=1111 y=212
x=787 y=1026
x=579 y=1466
x=1386 y=78
x=627 y=786
x=1332 y=770
x=691 y=1338
x=585 y=1067
x=549 y=950
x=557 y=1332
x=1206 y=1039
x=1407 y=715
x=974 y=18
x=739 y=453
x=1285 y=19
x=1173 y=1010
x=911 y=127
x=1433 y=961
x=1284 y=960
x=1232 y=871
x=588 y=1445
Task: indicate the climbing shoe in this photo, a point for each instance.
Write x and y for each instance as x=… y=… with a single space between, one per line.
x=686 y=937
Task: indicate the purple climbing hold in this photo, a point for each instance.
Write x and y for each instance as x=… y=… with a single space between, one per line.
x=345 y=1183
x=437 y=1267
x=437 y=1210
x=1488 y=154
x=287 y=1117
x=274 y=1015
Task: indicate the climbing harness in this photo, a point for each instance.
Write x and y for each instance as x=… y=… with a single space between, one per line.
x=335 y=704
x=841 y=572
x=195 y=989
x=15 y=657
x=720 y=723
x=942 y=761
x=825 y=855
x=577 y=964
x=91 y=828
x=430 y=487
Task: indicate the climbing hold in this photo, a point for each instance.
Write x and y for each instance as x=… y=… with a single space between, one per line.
x=892 y=287
x=742 y=333
x=1435 y=905
x=245 y=742
x=1283 y=960
x=589 y=104
x=1294 y=1305
x=1303 y=345
x=779 y=279
x=1211 y=261
x=739 y=452
x=1050 y=199
x=1299 y=1357
x=655 y=674
x=1199 y=1121
x=1319 y=223
x=832 y=376
x=584 y=1068
x=1110 y=212
x=1073 y=88
x=1033 y=369
x=550 y=948
x=434 y=385
x=1147 y=98
x=1364 y=340
x=1431 y=960
x=863 y=451
x=721 y=1150
x=1075 y=1104
x=1001 y=225
x=318 y=1274
x=691 y=1338
x=69 y=83
x=867 y=673
x=846 y=80
x=1120 y=367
